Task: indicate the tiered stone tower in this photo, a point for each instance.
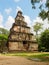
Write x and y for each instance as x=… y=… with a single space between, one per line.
x=20 y=37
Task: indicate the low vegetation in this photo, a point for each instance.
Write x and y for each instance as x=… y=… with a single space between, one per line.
x=3 y=38
x=44 y=41
x=40 y=56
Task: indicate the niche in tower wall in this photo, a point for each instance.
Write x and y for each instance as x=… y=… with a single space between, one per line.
x=23 y=36
x=18 y=22
x=27 y=37
x=17 y=28
x=28 y=30
x=25 y=30
x=23 y=23
x=22 y=29
x=26 y=45
x=15 y=37
x=20 y=36
x=17 y=18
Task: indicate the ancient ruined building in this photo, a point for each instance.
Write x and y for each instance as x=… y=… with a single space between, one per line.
x=20 y=37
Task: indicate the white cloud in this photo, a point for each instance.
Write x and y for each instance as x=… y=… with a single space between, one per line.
x=8 y=10
x=45 y=24
x=9 y=22
x=28 y=20
x=18 y=9
x=16 y=0
x=38 y=19
x=43 y=1
x=1 y=20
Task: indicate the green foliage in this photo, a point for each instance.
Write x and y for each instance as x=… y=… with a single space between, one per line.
x=43 y=14
x=37 y=27
x=47 y=3
x=3 y=38
x=3 y=34
x=34 y=1
x=3 y=41
x=44 y=41
x=4 y=31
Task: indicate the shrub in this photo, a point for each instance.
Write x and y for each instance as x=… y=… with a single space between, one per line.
x=44 y=41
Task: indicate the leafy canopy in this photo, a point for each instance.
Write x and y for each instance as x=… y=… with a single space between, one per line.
x=37 y=27
x=44 y=10
x=44 y=41
x=3 y=34
x=4 y=31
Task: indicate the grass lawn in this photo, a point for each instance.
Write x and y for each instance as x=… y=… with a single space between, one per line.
x=40 y=56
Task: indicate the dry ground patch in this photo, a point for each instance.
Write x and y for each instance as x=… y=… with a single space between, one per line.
x=19 y=60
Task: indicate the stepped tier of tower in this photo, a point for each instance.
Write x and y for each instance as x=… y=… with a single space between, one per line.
x=20 y=37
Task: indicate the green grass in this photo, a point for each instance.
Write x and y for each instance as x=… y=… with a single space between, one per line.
x=43 y=56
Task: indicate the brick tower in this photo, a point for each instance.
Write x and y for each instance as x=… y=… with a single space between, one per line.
x=20 y=37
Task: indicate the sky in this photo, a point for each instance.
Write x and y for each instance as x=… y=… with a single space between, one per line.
x=9 y=9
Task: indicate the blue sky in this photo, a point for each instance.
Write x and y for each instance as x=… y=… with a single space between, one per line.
x=25 y=5
x=9 y=8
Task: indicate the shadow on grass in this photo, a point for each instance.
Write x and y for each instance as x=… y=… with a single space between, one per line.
x=39 y=58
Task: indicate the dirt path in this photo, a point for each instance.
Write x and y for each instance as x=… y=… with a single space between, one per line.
x=16 y=60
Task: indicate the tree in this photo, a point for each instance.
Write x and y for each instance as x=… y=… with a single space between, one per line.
x=44 y=13
x=44 y=41
x=37 y=27
x=4 y=31
x=3 y=38
x=3 y=41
